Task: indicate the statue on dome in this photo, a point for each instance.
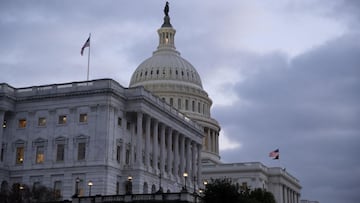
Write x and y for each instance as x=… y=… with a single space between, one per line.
x=166 y=9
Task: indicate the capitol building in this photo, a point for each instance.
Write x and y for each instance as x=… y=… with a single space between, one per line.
x=152 y=133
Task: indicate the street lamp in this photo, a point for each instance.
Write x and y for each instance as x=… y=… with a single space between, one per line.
x=185 y=177
x=194 y=184
x=21 y=187
x=90 y=183
x=160 y=187
x=77 y=181
x=129 y=185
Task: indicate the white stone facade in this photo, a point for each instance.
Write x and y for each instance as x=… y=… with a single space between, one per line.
x=284 y=187
x=99 y=131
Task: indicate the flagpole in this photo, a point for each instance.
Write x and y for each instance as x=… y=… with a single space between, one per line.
x=88 y=68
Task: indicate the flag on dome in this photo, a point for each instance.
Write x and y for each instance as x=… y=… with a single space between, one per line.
x=275 y=154
x=87 y=44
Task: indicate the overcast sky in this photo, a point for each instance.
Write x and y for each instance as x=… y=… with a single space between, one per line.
x=281 y=73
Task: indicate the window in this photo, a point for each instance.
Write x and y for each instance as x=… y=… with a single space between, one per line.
x=193 y=106
x=2 y=155
x=117 y=187
x=60 y=152
x=186 y=104
x=19 y=155
x=127 y=158
x=171 y=101
x=22 y=123
x=119 y=121
x=62 y=119
x=42 y=121
x=179 y=103
x=40 y=156
x=199 y=107
x=57 y=189
x=83 y=118
x=4 y=124
x=128 y=125
x=118 y=153
x=81 y=151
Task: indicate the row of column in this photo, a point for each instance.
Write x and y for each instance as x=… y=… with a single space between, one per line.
x=2 y=114
x=289 y=195
x=212 y=141
x=180 y=153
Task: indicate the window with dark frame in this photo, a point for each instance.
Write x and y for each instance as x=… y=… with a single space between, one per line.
x=22 y=123
x=62 y=119
x=60 y=152
x=42 y=121
x=81 y=151
x=83 y=118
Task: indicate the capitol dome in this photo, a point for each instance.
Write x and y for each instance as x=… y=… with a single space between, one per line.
x=166 y=64
x=172 y=78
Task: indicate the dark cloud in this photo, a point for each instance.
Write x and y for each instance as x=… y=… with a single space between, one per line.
x=309 y=108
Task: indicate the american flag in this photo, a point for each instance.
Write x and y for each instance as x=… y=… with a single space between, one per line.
x=275 y=154
x=87 y=44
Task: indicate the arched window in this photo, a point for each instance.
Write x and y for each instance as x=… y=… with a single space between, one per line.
x=145 y=188
x=153 y=188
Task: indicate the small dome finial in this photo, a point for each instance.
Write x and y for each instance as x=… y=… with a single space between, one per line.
x=166 y=18
x=166 y=9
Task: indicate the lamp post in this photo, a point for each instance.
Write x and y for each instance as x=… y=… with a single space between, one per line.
x=194 y=184
x=185 y=177
x=160 y=187
x=129 y=185
x=90 y=183
x=77 y=181
x=21 y=187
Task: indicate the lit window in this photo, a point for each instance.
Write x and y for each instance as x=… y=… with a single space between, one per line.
x=62 y=119
x=22 y=123
x=40 y=154
x=83 y=118
x=19 y=155
x=60 y=152
x=42 y=121
x=81 y=151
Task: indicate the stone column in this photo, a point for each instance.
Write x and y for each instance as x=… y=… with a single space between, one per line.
x=208 y=147
x=214 y=141
x=193 y=159
x=199 y=164
x=2 y=115
x=182 y=155
x=138 y=161
x=169 y=151
x=162 y=149
x=147 y=142
x=155 y=145
x=176 y=154
x=217 y=142
x=188 y=155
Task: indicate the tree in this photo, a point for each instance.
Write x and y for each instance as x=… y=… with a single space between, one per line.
x=223 y=190
x=262 y=196
x=21 y=193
